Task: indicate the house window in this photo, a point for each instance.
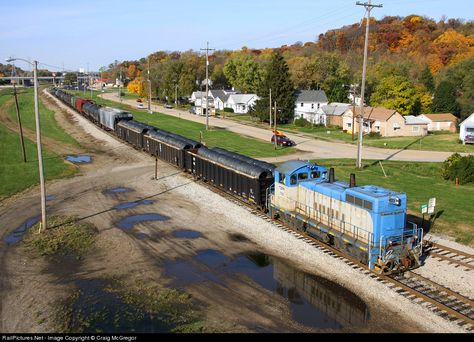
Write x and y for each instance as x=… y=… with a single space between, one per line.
x=416 y=128
x=312 y=105
x=377 y=128
x=349 y=124
x=396 y=126
x=318 y=105
x=301 y=104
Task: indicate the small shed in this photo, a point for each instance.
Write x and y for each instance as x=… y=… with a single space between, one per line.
x=466 y=127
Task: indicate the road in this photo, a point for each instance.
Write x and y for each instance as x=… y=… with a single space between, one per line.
x=309 y=147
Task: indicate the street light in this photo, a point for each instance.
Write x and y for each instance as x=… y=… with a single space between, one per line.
x=38 y=139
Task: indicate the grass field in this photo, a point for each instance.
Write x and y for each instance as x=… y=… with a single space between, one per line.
x=193 y=130
x=15 y=175
x=420 y=181
x=49 y=126
x=446 y=142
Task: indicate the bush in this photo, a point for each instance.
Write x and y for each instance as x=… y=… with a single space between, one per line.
x=375 y=135
x=228 y=110
x=459 y=167
x=301 y=122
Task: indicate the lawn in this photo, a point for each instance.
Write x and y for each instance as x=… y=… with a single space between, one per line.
x=15 y=175
x=420 y=181
x=193 y=130
x=445 y=142
x=49 y=126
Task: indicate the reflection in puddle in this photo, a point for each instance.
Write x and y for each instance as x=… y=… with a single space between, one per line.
x=50 y=198
x=128 y=205
x=313 y=301
x=118 y=190
x=129 y=221
x=21 y=230
x=79 y=159
x=187 y=233
x=97 y=310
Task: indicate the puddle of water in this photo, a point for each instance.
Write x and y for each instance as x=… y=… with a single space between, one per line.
x=128 y=205
x=187 y=233
x=118 y=190
x=97 y=310
x=313 y=301
x=79 y=159
x=20 y=231
x=50 y=198
x=129 y=221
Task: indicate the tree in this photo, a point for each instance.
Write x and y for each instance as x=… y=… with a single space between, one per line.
x=278 y=80
x=243 y=73
x=70 y=78
x=427 y=79
x=444 y=100
x=396 y=92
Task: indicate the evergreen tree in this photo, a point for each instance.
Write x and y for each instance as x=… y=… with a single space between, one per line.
x=445 y=99
x=427 y=79
x=277 y=78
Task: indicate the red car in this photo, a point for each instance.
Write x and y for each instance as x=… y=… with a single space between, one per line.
x=283 y=140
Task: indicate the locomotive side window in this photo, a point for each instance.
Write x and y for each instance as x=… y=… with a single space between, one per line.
x=282 y=178
x=358 y=201
x=293 y=180
x=302 y=176
x=315 y=174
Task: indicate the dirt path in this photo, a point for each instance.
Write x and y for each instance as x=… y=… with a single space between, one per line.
x=150 y=252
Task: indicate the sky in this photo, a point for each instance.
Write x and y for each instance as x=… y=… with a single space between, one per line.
x=93 y=33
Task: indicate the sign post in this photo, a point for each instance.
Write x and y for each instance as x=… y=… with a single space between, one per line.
x=424 y=210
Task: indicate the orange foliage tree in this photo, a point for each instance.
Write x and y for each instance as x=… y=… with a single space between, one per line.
x=449 y=48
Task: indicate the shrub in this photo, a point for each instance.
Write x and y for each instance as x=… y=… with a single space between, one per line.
x=301 y=122
x=375 y=135
x=228 y=110
x=459 y=167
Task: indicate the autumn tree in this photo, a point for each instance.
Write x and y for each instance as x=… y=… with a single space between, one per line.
x=278 y=80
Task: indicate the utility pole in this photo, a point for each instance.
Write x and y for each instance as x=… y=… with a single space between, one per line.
x=19 y=122
x=176 y=95
x=368 y=7
x=270 y=108
x=149 y=88
x=120 y=85
x=275 y=122
x=207 y=84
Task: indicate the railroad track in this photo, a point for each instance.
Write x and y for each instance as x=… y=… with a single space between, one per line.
x=422 y=291
x=452 y=256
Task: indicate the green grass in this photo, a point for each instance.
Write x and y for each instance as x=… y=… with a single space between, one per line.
x=49 y=126
x=193 y=130
x=420 y=181
x=442 y=141
x=65 y=236
x=15 y=175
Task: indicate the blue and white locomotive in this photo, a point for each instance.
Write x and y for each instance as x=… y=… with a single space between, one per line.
x=367 y=222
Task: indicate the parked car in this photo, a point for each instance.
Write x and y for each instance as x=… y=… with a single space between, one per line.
x=167 y=105
x=192 y=110
x=283 y=140
x=469 y=139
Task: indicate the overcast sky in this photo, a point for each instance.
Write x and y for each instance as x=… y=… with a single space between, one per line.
x=93 y=33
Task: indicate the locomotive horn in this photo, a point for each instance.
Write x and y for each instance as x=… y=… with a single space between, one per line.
x=331 y=175
x=352 y=180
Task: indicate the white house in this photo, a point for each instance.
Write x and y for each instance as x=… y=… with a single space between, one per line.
x=466 y=127
x=308 y=103
x=241 y=103
x=220 y=97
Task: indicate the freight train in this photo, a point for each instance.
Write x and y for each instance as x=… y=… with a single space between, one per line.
x=367 y=222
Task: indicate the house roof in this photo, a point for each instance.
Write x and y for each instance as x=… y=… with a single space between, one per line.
x=376 y=113
x=469 y=119
x=311 y=96
x=241 y=98
x=441 y=117
x=221 y=94
x=413 y=120
x=335 y=108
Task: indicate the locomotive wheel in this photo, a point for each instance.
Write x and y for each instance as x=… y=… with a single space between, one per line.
x=387 y=268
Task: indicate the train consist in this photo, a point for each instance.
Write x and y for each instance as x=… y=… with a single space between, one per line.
x=366 y=222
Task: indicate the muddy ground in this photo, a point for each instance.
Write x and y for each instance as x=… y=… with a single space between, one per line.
x=181 y=244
